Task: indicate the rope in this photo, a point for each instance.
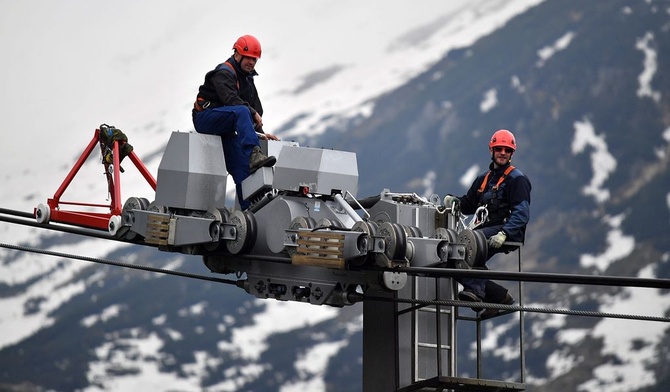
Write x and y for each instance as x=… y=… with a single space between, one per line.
x=120 y=264
x=448 y=302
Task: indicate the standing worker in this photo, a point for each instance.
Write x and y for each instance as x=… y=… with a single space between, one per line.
x=228 y=105
x=505 y=191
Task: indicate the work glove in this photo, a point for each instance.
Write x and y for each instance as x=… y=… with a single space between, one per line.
x=497 y=240
x=450 y=200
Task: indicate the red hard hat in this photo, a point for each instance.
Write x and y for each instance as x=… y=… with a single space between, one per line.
x=248 y=45
x=502 y=138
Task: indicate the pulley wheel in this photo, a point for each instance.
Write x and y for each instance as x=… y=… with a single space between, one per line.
x=144 y=203
x=395 y=240
x=299 y=222
x=324 y=223
x=114 y=224
x=370 y=228
x=246 y=233
x=413 y=231
x=482 y=248
x=450 y=235
x=467 y=237
x=214 y=228
x=153 y=207
x=42 y=213
x=133 y=203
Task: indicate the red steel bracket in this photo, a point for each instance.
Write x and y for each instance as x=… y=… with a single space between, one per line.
x=96 y=220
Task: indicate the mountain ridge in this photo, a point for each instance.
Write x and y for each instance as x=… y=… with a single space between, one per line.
x=590 y=101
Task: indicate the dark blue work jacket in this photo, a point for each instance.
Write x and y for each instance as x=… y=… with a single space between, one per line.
x=508 y=206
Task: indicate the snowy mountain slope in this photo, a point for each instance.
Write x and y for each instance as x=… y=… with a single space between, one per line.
x=576 y=80
x=70 y=67
x=584 y=92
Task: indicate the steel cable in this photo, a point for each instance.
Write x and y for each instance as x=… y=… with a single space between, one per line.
x=447 y=302
x=119 y=264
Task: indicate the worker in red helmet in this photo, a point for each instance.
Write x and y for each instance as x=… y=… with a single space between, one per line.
x=228 y=105
x=505 y=192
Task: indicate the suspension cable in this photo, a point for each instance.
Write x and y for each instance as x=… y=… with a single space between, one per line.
x=417 y=271
x=513 y=308
x=542 y=277
x=121 y=264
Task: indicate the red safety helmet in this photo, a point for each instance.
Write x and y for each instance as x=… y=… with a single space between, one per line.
x=502 y=138
x=248 y=45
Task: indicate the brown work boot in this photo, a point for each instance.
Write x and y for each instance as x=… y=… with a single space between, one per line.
x=470 y=296
x=258 y=160
x=490 y=312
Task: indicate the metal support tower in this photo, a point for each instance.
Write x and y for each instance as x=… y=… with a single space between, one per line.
x=414 y=346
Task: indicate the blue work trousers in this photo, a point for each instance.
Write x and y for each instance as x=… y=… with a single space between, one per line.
x=236 y=128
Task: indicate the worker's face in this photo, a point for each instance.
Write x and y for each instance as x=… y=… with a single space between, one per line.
x=502 y=155
x=248 y=63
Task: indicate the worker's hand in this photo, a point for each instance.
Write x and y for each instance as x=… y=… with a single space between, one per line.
x=267 y=136
x=258 y=121
x=497 y=240
x=452 y=201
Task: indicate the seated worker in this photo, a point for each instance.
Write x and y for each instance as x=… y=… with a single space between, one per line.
x=505 y=191
x=228 y=105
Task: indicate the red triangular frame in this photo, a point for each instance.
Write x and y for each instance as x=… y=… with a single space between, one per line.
x=96 y=220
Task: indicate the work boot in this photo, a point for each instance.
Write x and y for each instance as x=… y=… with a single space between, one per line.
x=258 y=160
x=488 y=312
x=470 y=296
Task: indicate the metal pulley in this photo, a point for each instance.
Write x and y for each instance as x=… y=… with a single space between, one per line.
x=450 y=236
x=220 y=216
x=395 y=240
x=42 y=213
x=476 y=249
x=299 y=222
x=369 y=228
x=246 y=231
x=119 y=226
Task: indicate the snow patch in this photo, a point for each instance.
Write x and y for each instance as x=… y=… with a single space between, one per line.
x=618 y=246
x=311 y=367
x=106 y=314
x=133 y=364
x=249 y=342
x=602 y=162
x=491 y=341
x=515 y=82
x=489 y=101
x=549 y=51
x=649 y=68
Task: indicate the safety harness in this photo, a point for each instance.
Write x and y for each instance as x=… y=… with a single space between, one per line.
x=200 y=102
x=500 y=180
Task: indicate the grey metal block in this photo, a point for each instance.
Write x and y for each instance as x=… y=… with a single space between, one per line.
x=192 y=173
x=262 y=179
x=274 y=147
x=322 y=171
x=259 y=181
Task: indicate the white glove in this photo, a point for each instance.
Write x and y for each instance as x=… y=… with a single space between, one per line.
x=497 y=240
x=450 y=201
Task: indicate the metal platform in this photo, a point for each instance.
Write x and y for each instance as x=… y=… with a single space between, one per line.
x=463 y=384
